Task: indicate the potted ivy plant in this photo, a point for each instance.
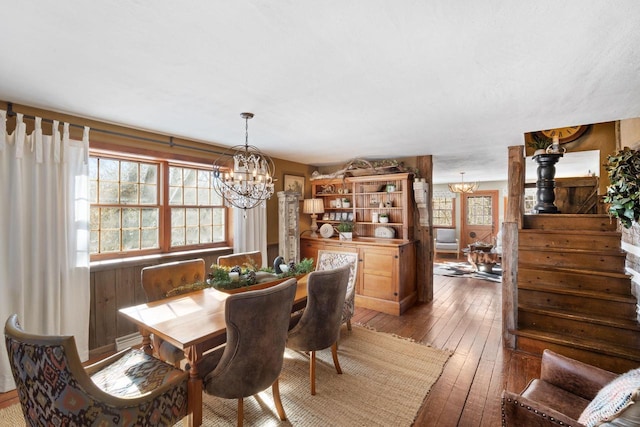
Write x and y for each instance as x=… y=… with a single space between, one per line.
x=623 y=192
x=383 y=217
x=345 y=230
x=346 y=203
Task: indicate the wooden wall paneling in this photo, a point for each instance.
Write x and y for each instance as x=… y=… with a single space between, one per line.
x=126 y=283
x=105 y=306
x=92 y=311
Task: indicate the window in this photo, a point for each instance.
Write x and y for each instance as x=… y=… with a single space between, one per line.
x=529 y=199
x=479 y=210
x=129 y=216
x=197 y=214
x=443 y=211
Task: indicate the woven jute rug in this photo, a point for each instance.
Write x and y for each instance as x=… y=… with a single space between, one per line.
x=385 y=380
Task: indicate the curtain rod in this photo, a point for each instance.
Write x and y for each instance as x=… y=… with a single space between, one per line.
x=170 y=143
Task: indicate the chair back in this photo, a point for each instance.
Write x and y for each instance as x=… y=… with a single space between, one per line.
x=53 y=385
x=445 y=235
x=257 y=324
x=159 y=279
x=329 y=260
x=319 y=326
x=251 y=258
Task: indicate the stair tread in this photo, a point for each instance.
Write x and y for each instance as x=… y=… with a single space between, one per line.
x=605 y=348
x=579 y=292
x=609 y=252
x=572 y=232
x=575 y=270
x=617 y=322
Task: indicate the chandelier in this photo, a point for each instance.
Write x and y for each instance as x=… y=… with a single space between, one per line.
x=250 y=182
x=462 y=187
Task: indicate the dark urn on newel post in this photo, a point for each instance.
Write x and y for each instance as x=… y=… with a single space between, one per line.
x=546 y=183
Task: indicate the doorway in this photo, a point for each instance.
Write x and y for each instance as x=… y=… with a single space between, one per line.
x=479 y=217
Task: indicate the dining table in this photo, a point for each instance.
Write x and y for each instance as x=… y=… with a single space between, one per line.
x=195 y=323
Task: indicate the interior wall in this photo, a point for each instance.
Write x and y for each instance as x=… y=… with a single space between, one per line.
x=176 y=148
x=629 y=134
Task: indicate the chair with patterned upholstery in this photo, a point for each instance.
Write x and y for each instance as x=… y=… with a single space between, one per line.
x=242 y=258
x=318 y=327
x=159 y=279
x=328 y=260
x=129 y=388
x=251 y=361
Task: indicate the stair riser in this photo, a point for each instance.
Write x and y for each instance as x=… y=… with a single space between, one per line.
x=533 y=239
x=613 y=364
x=596 y=306
x=598 y=262
x=576 y=222
x=580 y=329
x=575 y=281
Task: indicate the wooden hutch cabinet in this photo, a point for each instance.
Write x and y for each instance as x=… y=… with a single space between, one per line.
x=386 y=279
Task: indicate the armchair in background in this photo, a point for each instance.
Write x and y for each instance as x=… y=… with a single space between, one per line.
x=446 y=242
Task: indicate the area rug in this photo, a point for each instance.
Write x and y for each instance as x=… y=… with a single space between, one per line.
x=464 y=269
x=385 y=380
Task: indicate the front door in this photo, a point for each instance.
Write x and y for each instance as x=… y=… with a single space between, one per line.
x=479 y=217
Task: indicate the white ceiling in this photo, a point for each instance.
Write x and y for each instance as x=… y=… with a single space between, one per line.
x=332 y=80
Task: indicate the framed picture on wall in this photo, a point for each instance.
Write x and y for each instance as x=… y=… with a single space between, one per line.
x=294 y=183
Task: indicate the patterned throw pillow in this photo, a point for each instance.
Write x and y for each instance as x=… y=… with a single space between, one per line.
x=614 y=398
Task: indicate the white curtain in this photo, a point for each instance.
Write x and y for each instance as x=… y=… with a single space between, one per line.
x=44 y=235
x=250 y=230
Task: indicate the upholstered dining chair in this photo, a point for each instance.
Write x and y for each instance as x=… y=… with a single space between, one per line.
x=328 y=260
x=318 y=326
x=241 y=258
x=159 y=279
x=129 y=388
x=251 y=361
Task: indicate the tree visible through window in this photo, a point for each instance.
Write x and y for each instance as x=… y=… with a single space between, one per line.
x=128 y=215
x=443 y=211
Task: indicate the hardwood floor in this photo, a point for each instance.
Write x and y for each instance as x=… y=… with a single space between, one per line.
x=464 y=317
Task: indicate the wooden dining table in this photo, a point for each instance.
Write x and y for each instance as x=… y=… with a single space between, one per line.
x=195 y=323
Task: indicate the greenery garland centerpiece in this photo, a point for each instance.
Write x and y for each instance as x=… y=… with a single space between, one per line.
x=623 y=192
x=246 y=275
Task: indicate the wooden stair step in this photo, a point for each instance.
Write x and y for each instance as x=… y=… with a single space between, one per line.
x=569 y=222
x=615 y=358
x=578 y=302
x=583 y=293
x=585 y=325
x=608 y=282
x=574 y=258
x=576 y=239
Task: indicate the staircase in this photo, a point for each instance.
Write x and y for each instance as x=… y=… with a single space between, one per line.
x=573 y=295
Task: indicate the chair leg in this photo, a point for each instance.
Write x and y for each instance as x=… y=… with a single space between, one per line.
x=348 y=324
x=276 y=398
x=240 y=411
x=312 y=372
x=334 y=353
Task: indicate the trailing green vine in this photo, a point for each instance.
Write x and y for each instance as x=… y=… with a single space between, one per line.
x=623 y=193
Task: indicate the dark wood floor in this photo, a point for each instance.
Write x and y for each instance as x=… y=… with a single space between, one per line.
x=464 y=317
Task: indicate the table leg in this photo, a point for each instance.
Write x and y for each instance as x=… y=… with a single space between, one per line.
x=146 y=341
x=194 y=417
